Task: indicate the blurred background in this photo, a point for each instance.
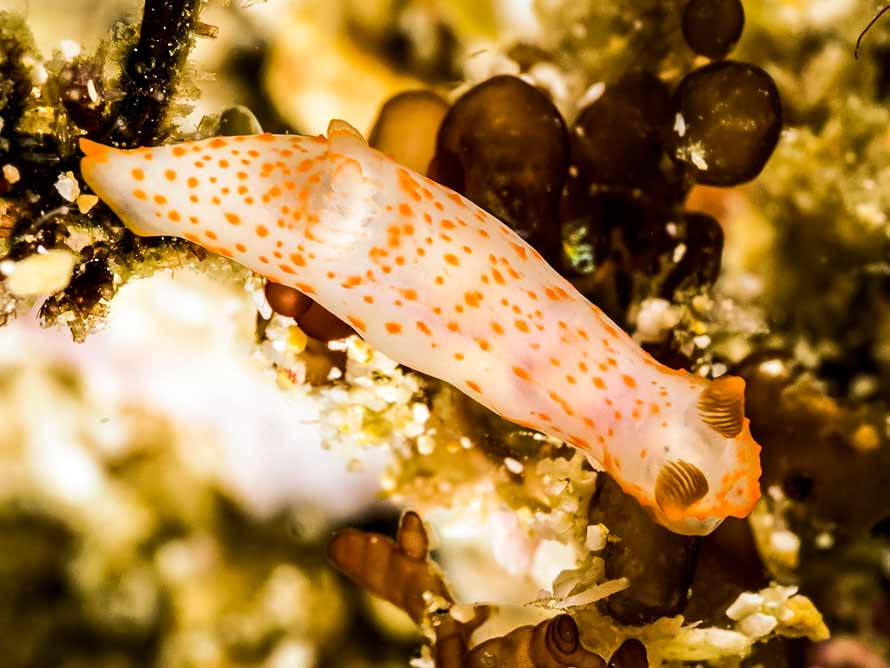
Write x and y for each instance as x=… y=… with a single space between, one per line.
x=176 y=449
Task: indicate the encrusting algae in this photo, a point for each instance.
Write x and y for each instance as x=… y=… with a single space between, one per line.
x=604 y=158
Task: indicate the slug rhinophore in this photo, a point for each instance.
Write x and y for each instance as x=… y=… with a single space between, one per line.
x=443 y=287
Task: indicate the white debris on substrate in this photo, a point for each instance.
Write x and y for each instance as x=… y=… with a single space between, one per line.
x=67 y=186
x=654 y=318
x=695 y=153
x=10 y=172
x=724 y=327
x=379 y=401
x=728 y=323
x=707 y=326
x=780 y=609
x=582 y=586
x=777 y=545
x=756 y=617
x=372 y=402
x=40 y=274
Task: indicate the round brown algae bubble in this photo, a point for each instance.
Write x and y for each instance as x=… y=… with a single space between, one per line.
x=504 y=145
x=406 y=128
x=729 y=117
x=658 y=563
x=617 y=139
x=712 y=28
x=631 y=654
x=286 y=301
x=238 y=120
x=614 y=240
x=728 y=564
x=321 y=324
x=699 y=265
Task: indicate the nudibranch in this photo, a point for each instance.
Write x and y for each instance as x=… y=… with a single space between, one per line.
x=445 y=288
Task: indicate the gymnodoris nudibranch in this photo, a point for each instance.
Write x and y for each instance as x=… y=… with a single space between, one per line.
x=441 y=286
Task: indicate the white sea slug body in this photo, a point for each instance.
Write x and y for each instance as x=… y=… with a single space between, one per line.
x=443 y=287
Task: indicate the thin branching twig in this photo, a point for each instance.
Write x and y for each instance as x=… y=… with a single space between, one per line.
x=152 y=69
x=866 y=29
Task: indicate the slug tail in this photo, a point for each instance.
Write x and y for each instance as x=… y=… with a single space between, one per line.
x=101 y=168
